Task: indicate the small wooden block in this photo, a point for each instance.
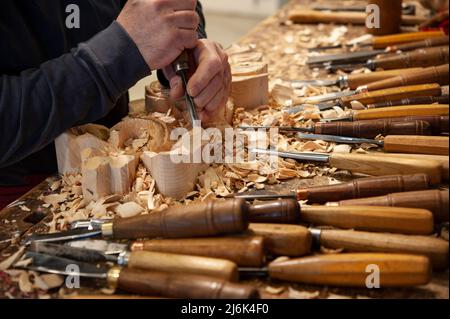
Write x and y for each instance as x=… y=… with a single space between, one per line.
x=250 y=91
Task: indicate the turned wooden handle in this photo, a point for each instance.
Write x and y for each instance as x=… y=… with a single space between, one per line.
x=246 y=251
x=182 y=286
x=371 y=218
x=419 y=58
x=433 y=145
x=364 y=187
x=356 y=80
x=285 y=211
x=438 y=124
x=380 y=166
x=184 y=264
x=434 y=248
x=394 y=93
x=435 y=201
x=283 y=240
x=199 y=220
x=352 y=270
x=426 y=43
x=443 y=99
x=358 y=18
x=433 y=74
x=403 y=38
x=372 y=129
x=401 y=111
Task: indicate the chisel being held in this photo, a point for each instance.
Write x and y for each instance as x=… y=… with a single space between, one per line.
x=366 y=164
x=350 y=270
x=144 y=282
x=435 y=201
x=378 y=219
x=382 y=42
x=413 y=144
x=199 y=220
x=146 y=260
x=443 y=99
x=369 y=129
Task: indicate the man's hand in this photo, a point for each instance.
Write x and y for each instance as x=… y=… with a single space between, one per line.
x=161 y=29
x=210 y=84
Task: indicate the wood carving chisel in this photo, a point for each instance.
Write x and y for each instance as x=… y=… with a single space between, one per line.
x=407 y=9
x=364 y=163
x=350 y=270
x=443 y=99
x=137 y=281
x=413 y=144
x=147 y=260
x=435 y=201
x=181 y=68
x=198 y=220
x=369 y=129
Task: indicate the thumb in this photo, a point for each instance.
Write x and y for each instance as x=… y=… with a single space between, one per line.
x=176 y=88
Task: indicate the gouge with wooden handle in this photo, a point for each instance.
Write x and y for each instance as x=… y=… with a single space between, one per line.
x=370 y=218
x=353 y=269
x=435 y=201
x=147 y=260
x=443 y=99
x=356 y=241
x=366 y=164
x=438 y=124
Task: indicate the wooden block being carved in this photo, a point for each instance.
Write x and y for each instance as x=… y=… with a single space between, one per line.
x=250 y=91
x=156 y=98
x=246 y=57
x=123 y=171
x=249 y=68
x=96 y=178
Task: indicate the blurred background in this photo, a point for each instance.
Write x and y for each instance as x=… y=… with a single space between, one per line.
x=226 y=23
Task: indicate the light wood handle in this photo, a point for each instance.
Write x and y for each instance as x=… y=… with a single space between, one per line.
x=352 y=270
x=245 y=251
x=371 y=218
x=356 y=241
x=428 y=42
x=434 y=74
x=283 y=240
x=182 y=285
x=356 y=80
x=394 y=93
x=432 y=145
x=379 y=166
x=401 y=111
x=418 y=58
x=184 y=264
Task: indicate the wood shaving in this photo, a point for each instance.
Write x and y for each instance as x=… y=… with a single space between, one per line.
x=274 y=290
x=295 y=294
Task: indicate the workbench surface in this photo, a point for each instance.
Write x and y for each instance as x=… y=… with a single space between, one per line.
x=277 y=40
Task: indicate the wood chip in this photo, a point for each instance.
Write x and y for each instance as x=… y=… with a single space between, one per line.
x=295 y=294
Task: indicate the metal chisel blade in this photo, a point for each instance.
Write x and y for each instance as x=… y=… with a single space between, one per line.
x=337 y=139
x=63 y=236
x=64 y=251
x=360 y=56
x=108 y=248
x=315 y=157
x=298 y=84
x=328 y=97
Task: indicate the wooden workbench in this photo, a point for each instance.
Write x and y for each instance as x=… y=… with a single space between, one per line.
x=277 y=39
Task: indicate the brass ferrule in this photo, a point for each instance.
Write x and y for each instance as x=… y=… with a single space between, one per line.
x=333 y=204
x=113 y=277
x=107 y=229
x=137 y=246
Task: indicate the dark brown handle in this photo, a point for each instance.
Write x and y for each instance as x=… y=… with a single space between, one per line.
x=365 y=187
x=418 y=58
x=433 y=74
x=434 y=248
x=372 y=129
x=246 y=251
x=435 y=201
x=438 y=124
x=427 y=43
x=443 y=99
x=182 y=286
x=284 y=211
x=200 y=220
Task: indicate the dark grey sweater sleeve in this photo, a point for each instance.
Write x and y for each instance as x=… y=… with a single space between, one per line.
x=79 y=87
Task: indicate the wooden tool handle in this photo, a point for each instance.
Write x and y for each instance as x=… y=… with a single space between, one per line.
x=364 y=187
x=184 y=264
x=433 y=145
x=394 y=39
x=356 y=80
x=283 y=240
x=443 y=99
x=426 y=43
x=418 y=58
x=356 y=241
x=352 y=270
x=371 y=218
x=200 y=220
x=182 y=286
x=435 y=201
x=401 y=111
x=246 y=251
x=285 y=211
x=438 y=124
x=373 y=128
x=395 y=93
x=433 y=74
x=379 y=166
